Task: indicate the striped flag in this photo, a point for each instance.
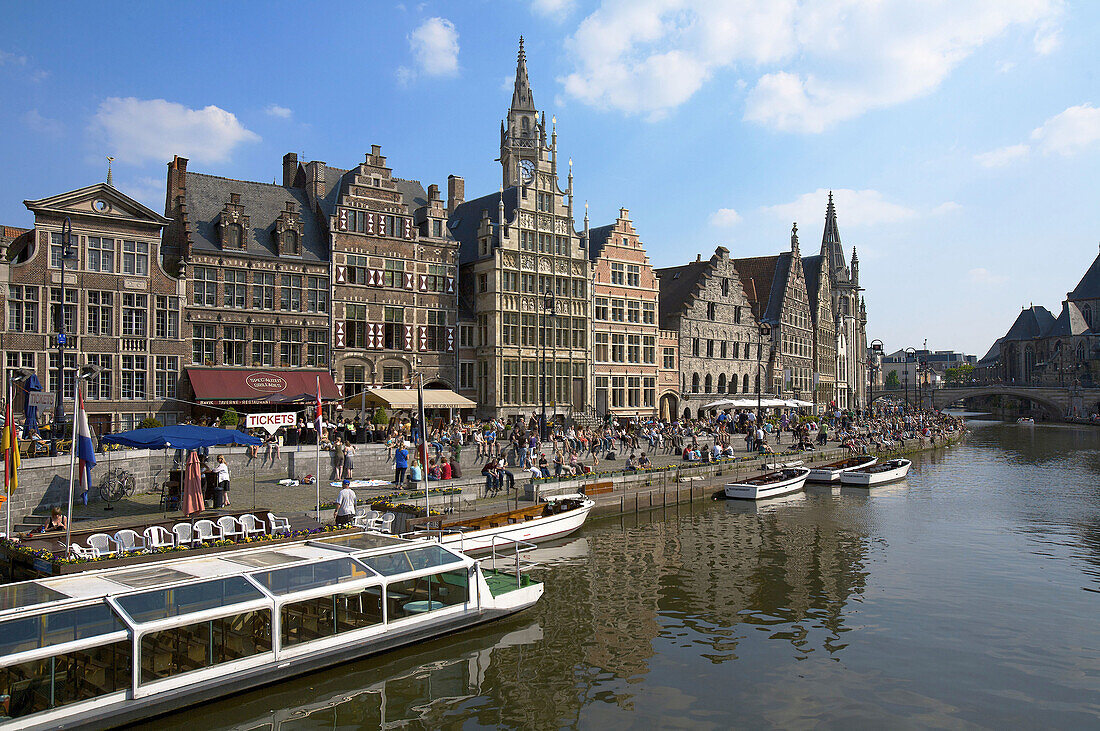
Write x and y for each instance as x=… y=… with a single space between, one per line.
x=9 y=443
x=82 y=443
x=317 y=421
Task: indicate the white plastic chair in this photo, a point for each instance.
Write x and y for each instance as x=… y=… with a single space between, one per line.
x=157 y=536
x=365 y=518
x=81 y=552
x=184 y=534
x=100 y=545
x=229 y=528
x=205 y=530
x=250 y=525
x=277 y=525
x=385 y=525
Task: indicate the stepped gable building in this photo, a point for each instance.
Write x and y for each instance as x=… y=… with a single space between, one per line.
x=525 y=274
x=776 y=289
x=122 y=310
x=819 y=292
x=849 y=316
x=255 y=261
x=705 y=303
x=394 y=274
x=624 y=323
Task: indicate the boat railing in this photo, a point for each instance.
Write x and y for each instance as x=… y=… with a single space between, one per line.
x=521 y=564
x=438 y=534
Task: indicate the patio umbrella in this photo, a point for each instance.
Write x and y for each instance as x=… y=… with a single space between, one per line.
x=30 y=423
x=192 y=486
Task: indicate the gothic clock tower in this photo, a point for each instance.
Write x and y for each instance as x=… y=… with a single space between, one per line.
x=523 y=141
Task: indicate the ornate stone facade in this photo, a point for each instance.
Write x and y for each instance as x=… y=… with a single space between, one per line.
x=849 y=315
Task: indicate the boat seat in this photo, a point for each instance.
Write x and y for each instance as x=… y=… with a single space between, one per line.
x=528 y=517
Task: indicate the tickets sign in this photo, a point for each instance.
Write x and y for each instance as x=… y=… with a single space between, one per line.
x=271 y=423
x=41 y=399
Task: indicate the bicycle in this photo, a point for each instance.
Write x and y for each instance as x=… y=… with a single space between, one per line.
x=116 y=484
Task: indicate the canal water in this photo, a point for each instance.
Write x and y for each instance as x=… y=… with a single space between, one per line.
x=966 y=596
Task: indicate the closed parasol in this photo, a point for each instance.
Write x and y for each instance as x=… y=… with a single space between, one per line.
x=192 y=486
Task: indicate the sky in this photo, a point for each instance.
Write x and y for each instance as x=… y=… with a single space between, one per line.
x=961 y=137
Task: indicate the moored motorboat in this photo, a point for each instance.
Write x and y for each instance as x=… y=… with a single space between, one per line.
x=1025 y=420
x=879 y=474
x=831 y=472
x=769 y=484
x=113 y=646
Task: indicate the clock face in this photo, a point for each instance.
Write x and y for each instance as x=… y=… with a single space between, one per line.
x=527 y=170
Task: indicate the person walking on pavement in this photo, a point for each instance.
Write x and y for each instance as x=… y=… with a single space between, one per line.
x=400 y=464
x=345 y=504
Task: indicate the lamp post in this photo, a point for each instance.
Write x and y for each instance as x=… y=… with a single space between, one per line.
x=765 y=331
x=875 y=362
x=910 y=357
x=547 y=312
x=67 y=253
x=16 y=376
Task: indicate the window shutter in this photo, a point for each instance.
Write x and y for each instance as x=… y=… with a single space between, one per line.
x=450 y=339
x=450 y=285
x=342 y=220
x=370 y=223
x=410 y=344
x=341 y=274
x=423 y=337
x=338 y=338
x=423 y=283
x=408 y=228
x=410 y=281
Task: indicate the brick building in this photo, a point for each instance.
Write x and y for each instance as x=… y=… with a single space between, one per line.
x=122 y=310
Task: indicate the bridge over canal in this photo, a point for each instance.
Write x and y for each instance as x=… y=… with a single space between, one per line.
x=1058 y=401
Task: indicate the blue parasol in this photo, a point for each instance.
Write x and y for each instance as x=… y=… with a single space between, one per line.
x=182 y=436
x=30 y=424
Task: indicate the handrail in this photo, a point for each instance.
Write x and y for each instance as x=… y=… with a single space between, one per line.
x=527 y=545
x=438 y=533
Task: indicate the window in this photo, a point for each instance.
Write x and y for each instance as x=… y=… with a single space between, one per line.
x=634 y=391
x=561 y=245
x=436 y=278
x=721 y=383
x=70 y=310
x=669 y=355
x=290 y=242
x=325 y=616
x=166 y=368
x=317 y=348
x=634 y=349
x=290 y=347
x=70 y=373
x=465 y=336
x=618 y=272
x=712 y=311
x=732 y=384
x=236 y=289
x=482 y=283
x=531 y=384
x=291 y=299
x=235 y=345
x=618 y=311
x=394 y=329
x=22 y=308
x=601 y=308
x=737 y=351
x=437 y=229
x=355 y=379
x=483 y=330
x=436 y=330
x=561 y=287
x=527 y=283
x=202 y=344
x=602 y=347
x=695 y=347
x=205 y=284
x=527 y=240
x=510 y=281
x=357 y=269
x=618 y=391
x=509 y=328
x=528 y=331
x=133 y=377
x=263 y=291
x=394 y=273
x=633 y=311
x=633 y=275
x=100 y=386
x=579 y=289
x=101 y=254
x=466 y=375
x=725 y=287
x=695 y=383
x=710 y=348
x=737 y=314
x=205 y=644
x=355 y=321
x=135 y=258
x=649 y=349
x=580 y=333
x=707 y=383
x=649 y=313
x=649 y=392
x=618 y=348
x=263 y=346
x=393 y=376
x=233 y=235
x=100 y=313
x=135 y=314
x=168 y=317
x=57 y=249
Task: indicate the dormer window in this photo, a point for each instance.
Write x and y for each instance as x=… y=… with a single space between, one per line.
x=232 y=224
x=288 y=231
x=290 y=243
x=233 y=235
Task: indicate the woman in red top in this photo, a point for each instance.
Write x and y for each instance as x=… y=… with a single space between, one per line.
x=446 y=468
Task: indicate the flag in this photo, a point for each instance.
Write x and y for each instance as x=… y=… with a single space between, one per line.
x=9 y=443
x=317 y=421
x=82 y=443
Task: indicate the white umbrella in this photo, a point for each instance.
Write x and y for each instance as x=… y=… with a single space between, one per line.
x=719 y=404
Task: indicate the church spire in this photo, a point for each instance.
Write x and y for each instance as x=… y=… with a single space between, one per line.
x=831 y=249
x=522 y=100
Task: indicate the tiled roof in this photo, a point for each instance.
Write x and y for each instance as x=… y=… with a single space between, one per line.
x=757 y=275
x=597 y=240
x=10 y=232
x=1089 y=286
x=676 y=286
x=1031 y=323
x=1070 y=322
x=466 y=218
x=811 y=269
x=993 y=354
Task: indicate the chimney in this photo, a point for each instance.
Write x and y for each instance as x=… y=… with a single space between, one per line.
x=315 y=180
x=456 y=193
x=433 y=193
x=174 y=238
x=698 y=257
x=290 y=169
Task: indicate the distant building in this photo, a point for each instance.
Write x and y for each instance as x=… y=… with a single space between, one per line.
x=849 y=315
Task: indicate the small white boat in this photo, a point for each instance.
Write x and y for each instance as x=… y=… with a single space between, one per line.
x=879 y=474
x=559 y=516
x=831 y=472
x=770 y=484
x=1025 y=420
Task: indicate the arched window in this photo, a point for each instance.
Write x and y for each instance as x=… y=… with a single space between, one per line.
x=733 y=383
x=526 y=128
x=1080 y=352
x=1029 y=363
x=695 y=383
x=290 y=242
x=233 y=235
x=722 y=383
x=745 y=384
x=707 y=384
x=757 y=382
x=1086 y=312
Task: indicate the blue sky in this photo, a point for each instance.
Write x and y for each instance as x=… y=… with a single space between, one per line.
x=962 y=136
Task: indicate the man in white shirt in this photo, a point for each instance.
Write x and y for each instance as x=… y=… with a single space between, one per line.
x=345 y=505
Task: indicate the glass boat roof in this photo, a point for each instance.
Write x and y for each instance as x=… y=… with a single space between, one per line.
x=157 y=604
x=310 y=576
x=61 y=625
x=414 y=559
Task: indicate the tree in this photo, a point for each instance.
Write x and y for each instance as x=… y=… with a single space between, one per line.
x=379 y=417
x=962 y=373
x=230 y=419
x=149 y=423
x=892 y=380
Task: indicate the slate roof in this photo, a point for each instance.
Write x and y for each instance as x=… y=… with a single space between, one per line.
x=676 y=286
x=597 y=240
x=1032 y=322
x=993 y=354
x=262 y=202
x=811 y=269
x=466 y=218
x=1070 y=322
x=334 y=183
x=1089 y=286
x=768 y=277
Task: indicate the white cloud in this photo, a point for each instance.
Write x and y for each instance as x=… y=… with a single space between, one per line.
x=11 y=59
x=1002 y=156
x=983 y=277
x=434 y=45
x=35 y=121
x=276 y=111
x=1075 y=130
x=725 y=218
x=945 y=208
x=146 y=190
x=1047 y=39
x=141 y=130
x=854 y=208
x=817 y=64
x=557 y=10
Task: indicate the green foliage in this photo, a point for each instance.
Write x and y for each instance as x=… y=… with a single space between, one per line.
x=892 y=380
x=380 y=417
x=149 y=423
x=960 y=374
x=230 y=418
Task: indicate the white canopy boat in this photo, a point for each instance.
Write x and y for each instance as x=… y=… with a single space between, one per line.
x=831 y=472
x=770 y=484
x=113 y=646
x=879 y=474
x=559 y=516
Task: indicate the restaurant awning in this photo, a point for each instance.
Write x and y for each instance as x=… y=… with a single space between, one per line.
x=237 y=385
x=401 y=398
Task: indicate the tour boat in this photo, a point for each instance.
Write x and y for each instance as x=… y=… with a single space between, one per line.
x=1025 y=420
x=559 y=516
x=879 y=474
x=770 y=484
x=831 y=472
x=113 y=646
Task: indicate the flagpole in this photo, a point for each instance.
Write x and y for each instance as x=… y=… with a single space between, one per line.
x=72 y=458
x=423 y=439
x=317 y=468
x=8 y=413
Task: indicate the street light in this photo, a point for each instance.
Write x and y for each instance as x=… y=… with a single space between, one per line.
x=765 y=331
x=67 y=253
x=547 y=311
x=910 y=356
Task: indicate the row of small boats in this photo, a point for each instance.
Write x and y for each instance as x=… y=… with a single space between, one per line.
x=859 y=471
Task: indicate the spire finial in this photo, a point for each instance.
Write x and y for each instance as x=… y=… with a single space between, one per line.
x=794 y=237
x=110 y=175
x=522 y=55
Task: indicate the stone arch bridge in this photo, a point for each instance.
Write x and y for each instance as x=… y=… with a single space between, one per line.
x=1059 y=401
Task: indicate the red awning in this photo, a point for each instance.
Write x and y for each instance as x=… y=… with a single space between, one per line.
x=234 y=385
